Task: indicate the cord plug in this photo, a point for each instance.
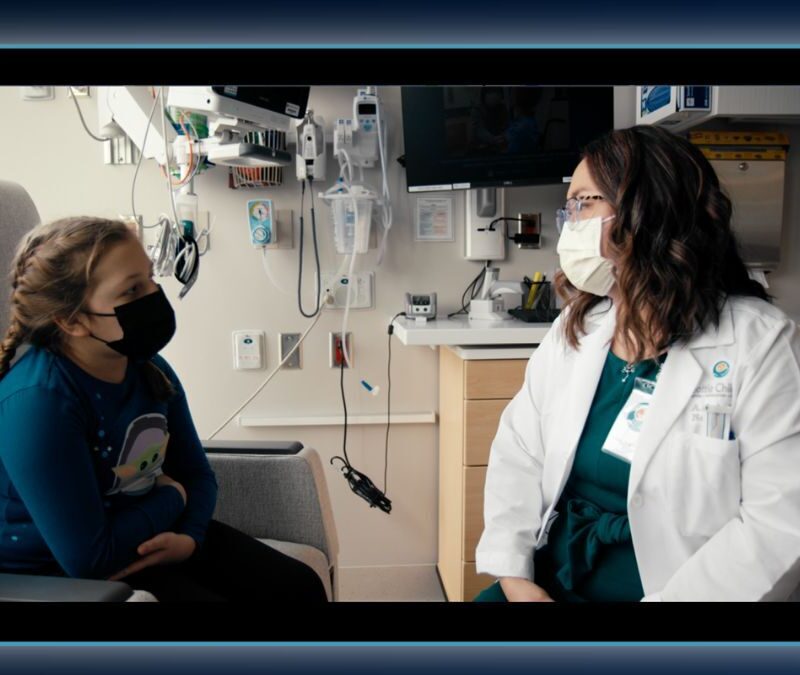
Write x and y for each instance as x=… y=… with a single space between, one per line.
x=366 y=489
x=519 y=238
x=390 y=329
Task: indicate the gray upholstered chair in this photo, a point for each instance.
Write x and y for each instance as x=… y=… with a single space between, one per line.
x=275 y=492
x=18 y=215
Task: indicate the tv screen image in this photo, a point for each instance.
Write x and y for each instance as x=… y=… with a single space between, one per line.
x=492 y=136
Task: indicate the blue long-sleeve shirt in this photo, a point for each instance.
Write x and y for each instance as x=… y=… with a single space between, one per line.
x=79 y=458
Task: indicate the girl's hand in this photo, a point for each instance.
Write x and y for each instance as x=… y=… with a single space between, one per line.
x=522 y=590
x=163 y=549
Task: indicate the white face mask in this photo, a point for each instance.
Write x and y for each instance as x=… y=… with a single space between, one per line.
x=579 y=251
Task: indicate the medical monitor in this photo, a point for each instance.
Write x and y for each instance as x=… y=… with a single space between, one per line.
x=268 y=107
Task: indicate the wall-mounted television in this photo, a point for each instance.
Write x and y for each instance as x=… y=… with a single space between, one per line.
x=487 y=136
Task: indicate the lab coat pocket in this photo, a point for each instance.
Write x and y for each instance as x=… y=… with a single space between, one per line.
x=705 y=483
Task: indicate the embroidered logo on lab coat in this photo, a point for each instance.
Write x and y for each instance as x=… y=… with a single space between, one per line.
x=721 y=368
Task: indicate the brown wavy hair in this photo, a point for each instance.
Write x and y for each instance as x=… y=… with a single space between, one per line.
x=51 y=276
x=678 y=259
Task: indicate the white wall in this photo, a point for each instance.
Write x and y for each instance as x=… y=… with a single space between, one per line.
x=45 y=149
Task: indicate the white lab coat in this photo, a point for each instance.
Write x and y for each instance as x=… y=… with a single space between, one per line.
x=710 y=519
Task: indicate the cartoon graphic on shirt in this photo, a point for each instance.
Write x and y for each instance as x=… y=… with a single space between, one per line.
x=142 y=455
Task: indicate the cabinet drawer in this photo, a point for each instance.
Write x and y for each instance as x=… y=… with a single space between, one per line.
x=474 y=583
x=493 y=379
x=481 y=419
x=474 y=480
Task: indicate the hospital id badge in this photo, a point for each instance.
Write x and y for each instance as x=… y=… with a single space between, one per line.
x=624 y=435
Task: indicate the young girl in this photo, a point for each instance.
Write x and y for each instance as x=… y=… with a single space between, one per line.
x=102 y=474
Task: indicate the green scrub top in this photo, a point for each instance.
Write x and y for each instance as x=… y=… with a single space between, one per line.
x=589 y=555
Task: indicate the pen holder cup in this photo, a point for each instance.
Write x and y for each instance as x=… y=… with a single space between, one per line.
x=544 y=308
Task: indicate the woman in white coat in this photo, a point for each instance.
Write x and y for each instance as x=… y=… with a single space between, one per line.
x=653 y=452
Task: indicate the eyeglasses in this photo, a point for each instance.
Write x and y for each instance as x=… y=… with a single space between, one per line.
x=573 y=208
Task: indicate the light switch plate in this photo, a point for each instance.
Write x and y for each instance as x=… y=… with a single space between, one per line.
x=286 y=341
x=37 y=93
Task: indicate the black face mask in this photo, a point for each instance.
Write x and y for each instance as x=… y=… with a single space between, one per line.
x=148 y=324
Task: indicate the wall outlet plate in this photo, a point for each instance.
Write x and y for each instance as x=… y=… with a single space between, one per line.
x=361 y=293
x=530 y=224
x=335 y=354
x=37 y=93
x=286 y=341
x=248 y=349
x=79 y=92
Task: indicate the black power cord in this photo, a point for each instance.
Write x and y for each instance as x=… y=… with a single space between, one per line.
x=316 y=251
x=472 y=290
x=359 y=482
x=520 y=238
x=500 y=220
x=517 y=238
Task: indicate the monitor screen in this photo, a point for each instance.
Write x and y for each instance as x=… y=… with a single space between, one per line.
x=471 y=137
x=290 y=101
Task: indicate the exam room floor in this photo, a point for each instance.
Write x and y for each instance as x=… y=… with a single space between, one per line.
x=404 y=583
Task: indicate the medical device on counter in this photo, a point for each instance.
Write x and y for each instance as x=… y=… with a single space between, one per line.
x=489 y=306
x=421 y=307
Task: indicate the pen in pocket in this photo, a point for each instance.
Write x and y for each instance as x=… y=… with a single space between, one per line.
x=718 y=421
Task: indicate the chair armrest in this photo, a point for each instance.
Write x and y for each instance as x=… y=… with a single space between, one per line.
x=33 y=588
x=253 y=447
x=274 y=496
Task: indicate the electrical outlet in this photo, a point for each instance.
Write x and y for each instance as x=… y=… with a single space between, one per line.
x=286 y=341
x=530 y=224
x=79 y=92
x=336 y=354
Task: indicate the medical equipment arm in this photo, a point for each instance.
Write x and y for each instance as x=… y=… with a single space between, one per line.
x=127 y=109
x=513 y=499
x=756 y=556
